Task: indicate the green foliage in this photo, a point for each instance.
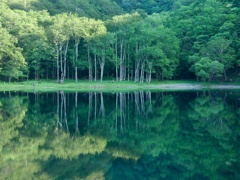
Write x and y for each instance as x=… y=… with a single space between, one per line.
x=206 y=68
x=11 y=58
x=150 y=38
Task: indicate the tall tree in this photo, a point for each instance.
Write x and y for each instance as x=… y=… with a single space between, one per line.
x=61 y=36
x=94 y=29
x=12 y=61
x=78 y=31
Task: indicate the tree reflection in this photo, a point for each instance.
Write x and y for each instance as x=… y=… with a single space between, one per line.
x=213 y=114
x=169 y=135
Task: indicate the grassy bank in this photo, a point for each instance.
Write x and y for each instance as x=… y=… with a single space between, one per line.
x=84 y=85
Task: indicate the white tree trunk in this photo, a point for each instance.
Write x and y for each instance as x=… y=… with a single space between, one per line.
x=89 y=65
x=76 y=55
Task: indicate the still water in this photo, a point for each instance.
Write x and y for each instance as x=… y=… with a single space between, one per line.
x=135 y=135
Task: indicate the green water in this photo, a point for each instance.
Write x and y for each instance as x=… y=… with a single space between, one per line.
x=137 y=135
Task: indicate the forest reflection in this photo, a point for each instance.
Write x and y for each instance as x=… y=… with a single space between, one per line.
x=122 y=134
x=119 y=108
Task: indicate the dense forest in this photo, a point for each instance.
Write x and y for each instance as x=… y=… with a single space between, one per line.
x=119 y=39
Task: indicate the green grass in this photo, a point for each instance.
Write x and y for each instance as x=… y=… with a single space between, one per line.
x=107 y=85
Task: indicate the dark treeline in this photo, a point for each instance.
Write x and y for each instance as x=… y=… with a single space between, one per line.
x=120 y=40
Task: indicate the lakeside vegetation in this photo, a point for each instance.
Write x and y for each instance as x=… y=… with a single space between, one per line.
x=121 y=40
x=113 y=86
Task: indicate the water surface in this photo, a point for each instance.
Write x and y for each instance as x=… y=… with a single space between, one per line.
x=137 y=135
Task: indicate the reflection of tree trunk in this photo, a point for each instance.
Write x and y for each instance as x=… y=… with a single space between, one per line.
x=128 y=110
x=61 y=109
x=95 y=113
x=65 y=112
x=64 y=109
x=58 y=120
x=136 y=93
x=89 y=107
x=102 y=108
x=137 y=110
x=116 y=111
x=122 y=109
x=149 y=98
x=76 y=114
x=224 y=99
x=142 y=102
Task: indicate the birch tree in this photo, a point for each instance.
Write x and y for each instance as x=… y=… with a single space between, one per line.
x=94 y=29
x=61 y=37
x=123 y=29
x=77 y=32
x=102 y=51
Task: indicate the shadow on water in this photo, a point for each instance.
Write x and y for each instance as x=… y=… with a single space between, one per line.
x=131 y=135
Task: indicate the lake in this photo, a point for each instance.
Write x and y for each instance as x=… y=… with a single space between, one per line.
x=120 y=135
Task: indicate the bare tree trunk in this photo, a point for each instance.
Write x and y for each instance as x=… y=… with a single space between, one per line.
x=124 y=63
x=58 y=51
x=150 y=71
x=102 y=64
x=61 y=65
x=137 y=63
x=65 y=60
x=128 y=67
x=95 y=67
x=136 y=78
x=89 y=65
x=116 y=56
x=76 y=56
x=121 y=60
x=150 y=76
x=142 y=71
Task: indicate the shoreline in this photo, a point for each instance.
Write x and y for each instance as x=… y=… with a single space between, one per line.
x=85 y=86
